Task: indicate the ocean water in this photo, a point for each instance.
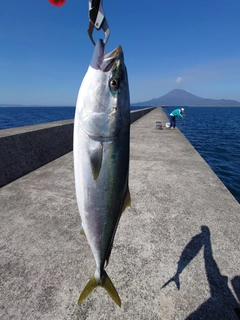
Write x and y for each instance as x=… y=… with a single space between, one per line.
x=214 y=132
x=12 y=117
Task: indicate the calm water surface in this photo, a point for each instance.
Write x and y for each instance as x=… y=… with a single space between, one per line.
x=12 y=117
x=215 y=134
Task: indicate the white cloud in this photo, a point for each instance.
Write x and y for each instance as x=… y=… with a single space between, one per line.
x=179 y=80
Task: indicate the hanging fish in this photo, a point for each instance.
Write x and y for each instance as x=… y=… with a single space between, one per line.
x=101 y=157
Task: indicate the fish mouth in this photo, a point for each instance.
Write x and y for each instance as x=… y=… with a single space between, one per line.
x=102 y=61
x=110 y=58
x=116 y=52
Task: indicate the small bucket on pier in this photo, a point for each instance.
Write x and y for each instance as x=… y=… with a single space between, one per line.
x=159 y=125
x=168 y=125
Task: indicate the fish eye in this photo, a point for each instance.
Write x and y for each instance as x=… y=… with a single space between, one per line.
x=114 y=83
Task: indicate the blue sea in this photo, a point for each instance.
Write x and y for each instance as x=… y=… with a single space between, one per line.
x=213 y=131
x=215 y=134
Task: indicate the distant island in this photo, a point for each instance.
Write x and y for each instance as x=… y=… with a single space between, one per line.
x=178 y=97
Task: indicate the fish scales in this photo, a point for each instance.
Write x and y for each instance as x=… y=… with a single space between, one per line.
x=101 y=157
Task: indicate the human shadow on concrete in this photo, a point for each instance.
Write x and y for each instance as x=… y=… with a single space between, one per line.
x=222 y=304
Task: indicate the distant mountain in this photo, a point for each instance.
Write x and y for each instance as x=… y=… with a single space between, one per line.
x=179 y=97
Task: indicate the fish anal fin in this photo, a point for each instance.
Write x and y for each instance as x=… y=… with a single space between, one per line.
x=95 y=152
x=106 y=283
x=82 y=232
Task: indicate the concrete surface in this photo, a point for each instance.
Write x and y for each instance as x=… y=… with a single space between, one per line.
x=183 y=225
x=25 y=149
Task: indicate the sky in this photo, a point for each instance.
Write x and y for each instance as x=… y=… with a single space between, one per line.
x=175 y=44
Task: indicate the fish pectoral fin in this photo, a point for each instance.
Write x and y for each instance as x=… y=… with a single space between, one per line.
x=95 y=152
x=106 y=283
x=127 y=200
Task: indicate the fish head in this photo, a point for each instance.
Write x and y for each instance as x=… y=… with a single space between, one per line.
x=103 y=105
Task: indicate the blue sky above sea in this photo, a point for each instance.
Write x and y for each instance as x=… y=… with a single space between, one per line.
x=190 y=45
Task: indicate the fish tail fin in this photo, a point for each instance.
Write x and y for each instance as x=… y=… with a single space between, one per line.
x=92 y=284
x=106 y=283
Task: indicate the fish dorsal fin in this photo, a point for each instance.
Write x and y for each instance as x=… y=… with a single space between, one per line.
x=127 y=200
x=95 y=152
x=126 y=203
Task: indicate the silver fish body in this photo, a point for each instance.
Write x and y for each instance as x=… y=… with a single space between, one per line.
x=101 y=157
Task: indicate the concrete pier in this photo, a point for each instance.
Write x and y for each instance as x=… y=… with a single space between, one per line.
x=176 y=250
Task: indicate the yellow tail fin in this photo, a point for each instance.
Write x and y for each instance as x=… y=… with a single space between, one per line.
x=106 y=283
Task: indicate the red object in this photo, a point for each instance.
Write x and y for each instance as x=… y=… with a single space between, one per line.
x=57 y=3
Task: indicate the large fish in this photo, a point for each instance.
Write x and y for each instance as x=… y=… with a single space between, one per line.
x=101 y=157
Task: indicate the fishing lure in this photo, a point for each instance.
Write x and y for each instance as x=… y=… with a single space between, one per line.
x=57 y=3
